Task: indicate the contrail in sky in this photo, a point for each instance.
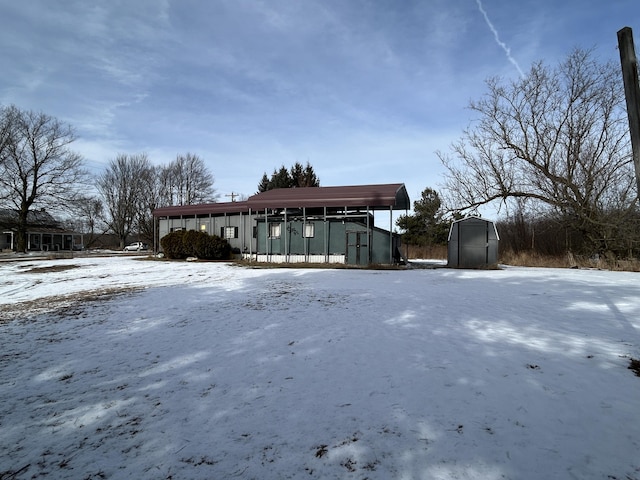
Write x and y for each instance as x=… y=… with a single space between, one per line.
x=503 y=45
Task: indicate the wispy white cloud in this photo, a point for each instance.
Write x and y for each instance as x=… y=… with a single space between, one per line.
x=502 y=45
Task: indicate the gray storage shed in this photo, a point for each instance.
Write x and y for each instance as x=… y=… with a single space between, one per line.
x=473 y=243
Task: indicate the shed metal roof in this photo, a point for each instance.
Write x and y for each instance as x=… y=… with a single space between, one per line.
x=375 y=197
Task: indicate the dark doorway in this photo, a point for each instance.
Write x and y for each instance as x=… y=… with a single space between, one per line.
x=357 y=248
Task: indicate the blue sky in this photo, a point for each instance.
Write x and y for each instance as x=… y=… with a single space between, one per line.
x=364 y=90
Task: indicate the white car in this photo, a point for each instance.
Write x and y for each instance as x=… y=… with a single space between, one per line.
x=135 y=247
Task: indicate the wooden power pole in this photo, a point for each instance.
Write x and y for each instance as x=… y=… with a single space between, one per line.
x=631 y=92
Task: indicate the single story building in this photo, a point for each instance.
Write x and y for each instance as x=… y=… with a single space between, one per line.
x=44 y=232
x=309 y=224
x=473 y=243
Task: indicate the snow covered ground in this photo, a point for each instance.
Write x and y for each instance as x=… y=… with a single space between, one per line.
x=121 y=368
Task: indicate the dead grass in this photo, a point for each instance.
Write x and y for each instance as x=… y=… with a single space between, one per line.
x=433 y=252
x=69 y=305
x=532 y=259
x=50 y=269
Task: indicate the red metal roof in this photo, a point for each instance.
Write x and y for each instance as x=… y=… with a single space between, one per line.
x=202 y=209
x=375 y=197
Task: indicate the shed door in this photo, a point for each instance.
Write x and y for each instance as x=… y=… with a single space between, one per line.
x=473 y=244
x=357 y=248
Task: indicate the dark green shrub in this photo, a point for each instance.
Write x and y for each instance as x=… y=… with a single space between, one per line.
x=183 y=244
x=190 y=239
x=211 y=247
x=172 y=245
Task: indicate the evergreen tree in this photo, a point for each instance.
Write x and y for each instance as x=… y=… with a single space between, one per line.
x=281 y=179
x=426 y=226
x=297 y=176
x=309 y=177
x=263 y=186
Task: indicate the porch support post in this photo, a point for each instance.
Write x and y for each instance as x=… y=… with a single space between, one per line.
x=406 y=247
x=369 y=239
x=286 y=238
x=250 y=236
x=326 y=238
x=266 y=235
x=390 y=235
x=305 y=240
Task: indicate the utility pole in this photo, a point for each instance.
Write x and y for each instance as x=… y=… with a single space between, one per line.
x=233 y=196
x=631 y=92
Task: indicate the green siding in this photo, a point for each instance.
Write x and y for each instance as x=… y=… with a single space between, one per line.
x=331 y=234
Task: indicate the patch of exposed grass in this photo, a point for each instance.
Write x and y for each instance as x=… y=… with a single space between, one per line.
x=71 y=305
x=51 y=268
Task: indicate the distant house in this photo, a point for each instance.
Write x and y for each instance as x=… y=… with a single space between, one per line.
x=473 y=243
x=43 y=232
x=310 y=224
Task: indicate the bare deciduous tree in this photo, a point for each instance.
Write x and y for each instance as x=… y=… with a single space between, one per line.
x=557 y=138
x=124 y=187
x=186 y=181
x=37 y=167
x=87 y=218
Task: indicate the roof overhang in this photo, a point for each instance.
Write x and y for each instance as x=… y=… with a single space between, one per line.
x=202 y=209
x=375 y=197
x=391 y=196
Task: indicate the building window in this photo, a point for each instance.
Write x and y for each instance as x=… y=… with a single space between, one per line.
x=309 y=231
x=274 y=230
x=229 y=232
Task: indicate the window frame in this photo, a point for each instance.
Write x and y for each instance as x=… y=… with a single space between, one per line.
x=275 y=230
x=229 y=232
x=309 y=230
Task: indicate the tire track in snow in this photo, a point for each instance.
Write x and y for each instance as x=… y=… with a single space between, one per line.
x=21 y=287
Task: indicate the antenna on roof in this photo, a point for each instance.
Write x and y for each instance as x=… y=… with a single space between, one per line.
x=233 y=196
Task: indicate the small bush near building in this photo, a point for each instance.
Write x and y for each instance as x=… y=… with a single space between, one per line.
x=181 y=244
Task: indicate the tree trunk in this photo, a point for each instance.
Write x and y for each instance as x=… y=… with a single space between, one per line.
x=21 y=233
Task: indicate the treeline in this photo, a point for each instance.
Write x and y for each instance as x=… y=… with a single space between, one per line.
x=553 y=149
x=130 y=188
x=296 y=176
x=542 y=234
x=39 y=170
x=557 y=236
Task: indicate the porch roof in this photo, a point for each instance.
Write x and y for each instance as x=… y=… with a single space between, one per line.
x=202 y=209
x=376 y=197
